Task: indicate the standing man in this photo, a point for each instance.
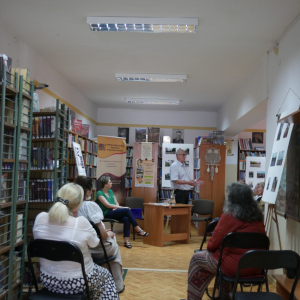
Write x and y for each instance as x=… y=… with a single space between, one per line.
x=180 y=178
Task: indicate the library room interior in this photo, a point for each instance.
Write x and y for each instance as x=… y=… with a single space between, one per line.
x=150 y=149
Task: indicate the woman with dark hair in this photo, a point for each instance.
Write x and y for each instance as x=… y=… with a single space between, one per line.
x=107 y=201
x=241 y=214
x=91 y=211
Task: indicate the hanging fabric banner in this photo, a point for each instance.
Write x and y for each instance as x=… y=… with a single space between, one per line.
x=79 y=159
x=111 y=161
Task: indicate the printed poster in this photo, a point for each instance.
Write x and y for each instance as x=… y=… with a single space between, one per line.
x=144 y=173
x=79 y=159
x=277 y=161
x=255 y=170
x=146 y=151
x=111 y=161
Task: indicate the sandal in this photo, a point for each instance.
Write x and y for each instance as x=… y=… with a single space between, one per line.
x=142 y=233
x=127 y=245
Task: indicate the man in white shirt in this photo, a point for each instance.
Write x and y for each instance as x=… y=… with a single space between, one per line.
x=180 y=178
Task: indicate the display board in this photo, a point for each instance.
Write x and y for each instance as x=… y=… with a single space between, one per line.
x=169 y=156
x=277 y=160
x=255 y=170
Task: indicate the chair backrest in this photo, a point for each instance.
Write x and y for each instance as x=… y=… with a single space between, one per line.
x=55 y=251
x=203 y=207
x=102 y=244
x=270 y=260
x=134 y=202
x=209 y=228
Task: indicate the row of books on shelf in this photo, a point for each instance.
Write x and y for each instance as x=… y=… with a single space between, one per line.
x=42 y=158
x=196 y=196
x=196 y=152
x=91 y=159
x=165 y=193
x=196 y=174
x=5 y=222
x=128 y=193
x=242 y=165
x=128 y=182
x=196 y=163
x=244 y=154
x=72 y=171
x=129 y=152
x=43 y=127
x=41 y=190
x=90 y=171
x=128 y=172
x=91 y=147
x=242 y=175
x=129 y=162
x=77 y=139
x=245 y=144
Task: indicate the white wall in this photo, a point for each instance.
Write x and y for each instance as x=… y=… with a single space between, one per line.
x=112 y=118
x=251 y=92
x=25 y=57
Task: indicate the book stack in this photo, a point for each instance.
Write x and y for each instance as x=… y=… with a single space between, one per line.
x=128 y=182
x=205 y=141
x=128 y=162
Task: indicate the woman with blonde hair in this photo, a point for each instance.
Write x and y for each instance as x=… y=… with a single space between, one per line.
x=62 y=224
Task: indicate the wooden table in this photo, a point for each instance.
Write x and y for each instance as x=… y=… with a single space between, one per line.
x=284 y=287
x=154 y=223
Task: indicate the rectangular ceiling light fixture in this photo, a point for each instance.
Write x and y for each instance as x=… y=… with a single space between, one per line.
x=150 y=77
x=157 y=25
x=154 y=101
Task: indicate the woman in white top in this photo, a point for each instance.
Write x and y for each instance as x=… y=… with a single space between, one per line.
x=93 y=212
x=61 y=225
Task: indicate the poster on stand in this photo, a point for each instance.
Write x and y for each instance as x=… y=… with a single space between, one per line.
x=277 y=161
x=145 y=171
x=111 y=161
x=79 y=159
x=169 y=156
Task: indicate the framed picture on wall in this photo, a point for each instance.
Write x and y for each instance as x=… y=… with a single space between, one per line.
x=124 y=132
x=257 y=137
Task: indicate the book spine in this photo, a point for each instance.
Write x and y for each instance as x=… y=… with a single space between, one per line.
x=48 y=127
x=41 y=134
x=44 y=127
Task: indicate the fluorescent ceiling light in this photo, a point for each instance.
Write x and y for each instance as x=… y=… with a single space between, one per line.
x=152 y=101
x=150 y=77
x=157 y=25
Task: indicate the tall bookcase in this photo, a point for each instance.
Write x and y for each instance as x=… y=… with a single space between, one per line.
x=89 y=152
x=242 y=154
x=48 y=159
x=15 y=139
x=129 y=170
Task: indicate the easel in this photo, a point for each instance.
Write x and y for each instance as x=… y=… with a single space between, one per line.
x=272 y=215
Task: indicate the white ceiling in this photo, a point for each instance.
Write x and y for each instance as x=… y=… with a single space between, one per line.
x=231 y=38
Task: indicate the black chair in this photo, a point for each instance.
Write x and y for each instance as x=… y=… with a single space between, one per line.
x=55 y=251
x=202 y=207
x=135 y=202
x=269 y=260
x=209 y=228
x=105 y=259
x=242 y=240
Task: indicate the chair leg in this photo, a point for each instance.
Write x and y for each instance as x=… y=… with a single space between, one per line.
x=133 y=233
x=112 y=226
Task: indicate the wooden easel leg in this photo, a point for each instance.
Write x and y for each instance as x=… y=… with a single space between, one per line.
x=272 y=216
x=276 y=221
x=268 y=221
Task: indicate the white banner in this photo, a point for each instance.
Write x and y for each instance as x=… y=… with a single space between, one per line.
x=79 y=159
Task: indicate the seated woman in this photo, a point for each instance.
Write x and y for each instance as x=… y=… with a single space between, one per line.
x=107 y=201
x=241 y=214
x=91 y=211
x=61 y=225
x=258 y=192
